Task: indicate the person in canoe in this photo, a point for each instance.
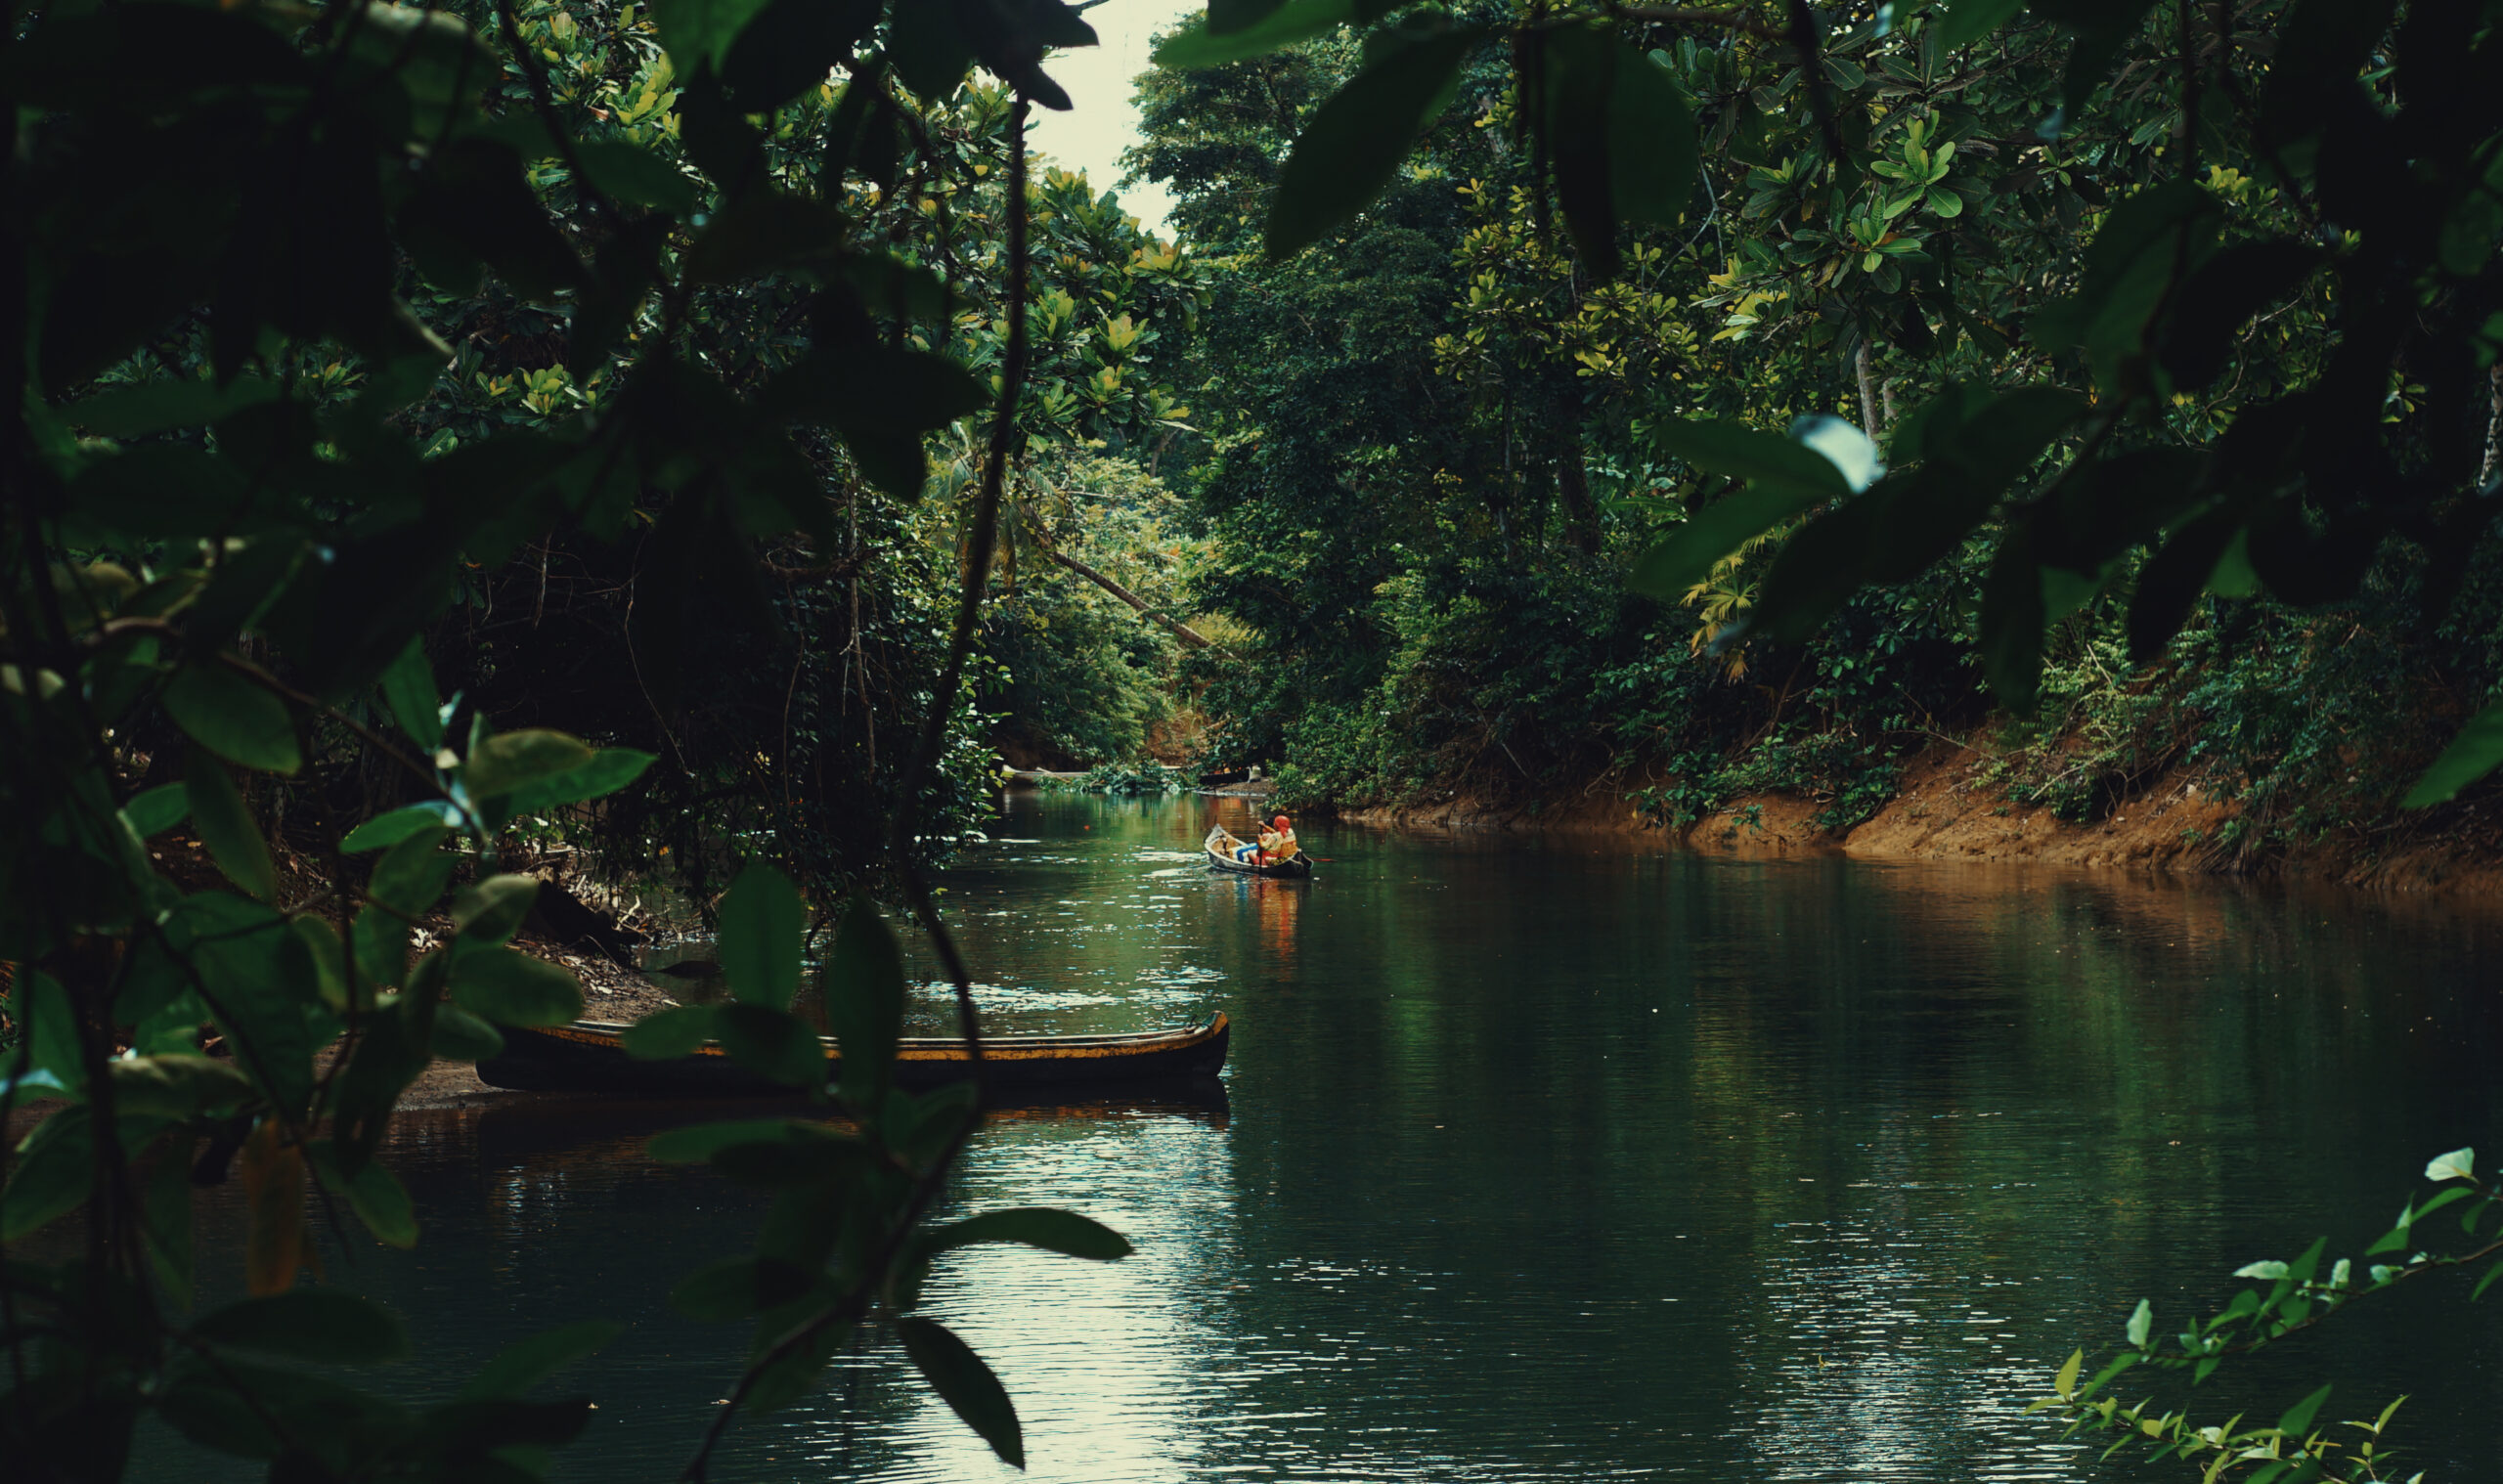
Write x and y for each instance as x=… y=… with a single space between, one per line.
x=1277 y=842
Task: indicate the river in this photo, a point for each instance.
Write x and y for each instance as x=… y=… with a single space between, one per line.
x=1568 y=1158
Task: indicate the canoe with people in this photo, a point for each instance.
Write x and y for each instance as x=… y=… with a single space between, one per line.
x=1274 y=854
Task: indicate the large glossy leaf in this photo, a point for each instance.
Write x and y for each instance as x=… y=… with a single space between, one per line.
x=1282 y=27
x=260 y=983
x=668 y=1035
x=1970 y=21
x=374 y=1192
x=2011 y=622
x=702 y=32
x=512 y=989
x=514 y=760
x=154 y=812
x=1037 y=1226
x=926 y=49
x=227 y=827
x=407 y=687
x=863 y=984
x=384 y=830
x=790 y=46
x=1580 y=73
x=2476 y=752
x=966 y=1384
x=233 y=717
x=322 y=1325
x=48 y=1178
x=525 y=1363
x=762 y=922
x=1351 y=145
x=1650 y=142
x=177 y=1086
x=492 y=911
x=774 y=1043
x=609 y=770
x=738 y=1286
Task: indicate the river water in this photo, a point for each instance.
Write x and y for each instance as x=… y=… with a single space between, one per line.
x=1568 y=1160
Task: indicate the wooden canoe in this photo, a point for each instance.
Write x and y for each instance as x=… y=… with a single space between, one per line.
x=1220 y=846
x=588 y=1055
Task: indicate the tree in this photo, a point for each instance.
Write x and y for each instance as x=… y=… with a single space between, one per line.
x=328 y=331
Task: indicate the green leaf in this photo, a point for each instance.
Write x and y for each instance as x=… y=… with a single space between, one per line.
x=492 y=910
x=512 y=989
x=966 y=1384
x=2011 y=623
x=738 y=1286
x=1352 y=143
x=261 y=985
x=609 y=770
x=2458 y=1164
x=1759 y=458
x=177 y=1085
x=460 y=1037
x=2298 y=1419
x=320 y=1325
x=636 y=176
x=507 y=761
x=155 y=810
x=412 y=875
x=407 y=687
x=699 y=1142
x=1970 y=21
x=701 y=32
x=863 y=990
x=401 y=823
x=762 y=922
x=1285 y=25
x=1578 y=73
x=227 y=827
x=49 y=1177
x=525 y=1363
x=667 y=1034
x=49 y=1023
x=2141 y=1321
x=1687 y=553
x=155 y=407
x=2471 y=756
x=775 y=1043
x=1650 y=143
x=2065 y=1384
x=925 y=50
x=1036 y=1226
x=761 y=233
x=233 y=717
x=374 y=1192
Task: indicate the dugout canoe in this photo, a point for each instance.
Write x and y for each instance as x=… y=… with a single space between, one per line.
x=1220 y=847
x=589 y=1056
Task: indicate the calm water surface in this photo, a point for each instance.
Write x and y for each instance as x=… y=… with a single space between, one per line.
x=1569 y=1160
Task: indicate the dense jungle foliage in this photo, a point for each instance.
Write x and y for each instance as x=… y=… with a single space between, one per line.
x=435 y=429
x=2091 y=280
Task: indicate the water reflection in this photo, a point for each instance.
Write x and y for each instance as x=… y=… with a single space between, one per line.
x=1567 y=1161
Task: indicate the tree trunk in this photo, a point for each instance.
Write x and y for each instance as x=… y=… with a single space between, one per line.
x=1581 y=513
x=1180 y=630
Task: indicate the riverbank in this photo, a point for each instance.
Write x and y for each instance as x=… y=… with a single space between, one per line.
x=1954 y=804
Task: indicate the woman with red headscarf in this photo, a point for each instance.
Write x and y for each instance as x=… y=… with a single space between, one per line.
x=1277 y=842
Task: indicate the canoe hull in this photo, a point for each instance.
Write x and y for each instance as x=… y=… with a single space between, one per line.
x=588 y=1057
